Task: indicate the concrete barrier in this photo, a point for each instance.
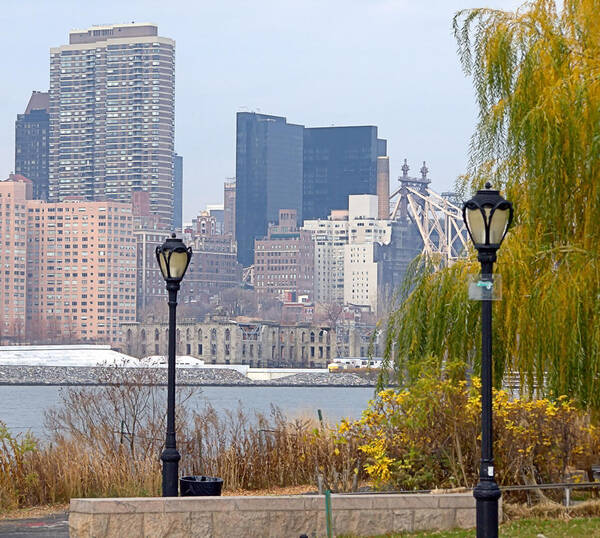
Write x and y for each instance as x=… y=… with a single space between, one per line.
x=277 y=516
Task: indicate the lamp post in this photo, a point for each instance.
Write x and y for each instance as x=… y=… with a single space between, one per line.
x=487 y=217
x=173 y=259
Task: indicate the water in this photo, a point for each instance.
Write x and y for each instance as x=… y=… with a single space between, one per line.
x=22 y=407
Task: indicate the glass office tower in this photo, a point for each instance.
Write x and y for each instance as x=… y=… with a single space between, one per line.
x=268 y=176
x=338 y=161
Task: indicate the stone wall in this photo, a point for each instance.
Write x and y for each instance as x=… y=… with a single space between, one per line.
x=277 y=517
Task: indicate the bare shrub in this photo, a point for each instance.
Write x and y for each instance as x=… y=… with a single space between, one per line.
x=128 y=412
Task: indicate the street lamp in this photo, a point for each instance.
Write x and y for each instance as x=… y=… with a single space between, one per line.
x=173 y=259
x=487 y=217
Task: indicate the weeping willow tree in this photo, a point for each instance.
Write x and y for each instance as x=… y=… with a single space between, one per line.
x=536 y=74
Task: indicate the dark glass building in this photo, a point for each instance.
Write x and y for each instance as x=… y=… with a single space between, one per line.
x=177 y=192
x=31 y=144
x=338 y=161
x=268 y=176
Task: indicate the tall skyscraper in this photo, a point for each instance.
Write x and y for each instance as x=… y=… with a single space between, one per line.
x=112 y=104
x=338 y=161
x=268 y=176
x=32 y=133
x=178 y=192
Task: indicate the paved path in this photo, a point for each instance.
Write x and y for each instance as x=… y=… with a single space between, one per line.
x=44 y=527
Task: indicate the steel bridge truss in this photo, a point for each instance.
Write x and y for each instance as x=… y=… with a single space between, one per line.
x=437 y=217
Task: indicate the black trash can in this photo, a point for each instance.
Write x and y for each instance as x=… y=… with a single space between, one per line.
x=200 y=486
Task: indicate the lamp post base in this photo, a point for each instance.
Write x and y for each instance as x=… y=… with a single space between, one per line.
x=170 y=472
x=486 y=495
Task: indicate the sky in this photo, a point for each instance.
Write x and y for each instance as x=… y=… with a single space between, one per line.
x=389 y=63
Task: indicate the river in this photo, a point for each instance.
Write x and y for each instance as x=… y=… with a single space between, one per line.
x=22 y=407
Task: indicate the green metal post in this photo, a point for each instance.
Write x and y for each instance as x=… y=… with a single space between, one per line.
x=328 y=514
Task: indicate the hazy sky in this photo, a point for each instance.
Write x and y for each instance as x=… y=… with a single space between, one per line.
x=390 y=63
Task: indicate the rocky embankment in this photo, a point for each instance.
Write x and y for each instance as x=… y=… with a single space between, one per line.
x=66 y=375
x=320 y=379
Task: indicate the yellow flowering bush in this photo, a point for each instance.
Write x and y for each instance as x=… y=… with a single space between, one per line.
x=429 y=437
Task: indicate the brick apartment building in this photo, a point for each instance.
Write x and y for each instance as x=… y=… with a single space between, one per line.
x=284 y=259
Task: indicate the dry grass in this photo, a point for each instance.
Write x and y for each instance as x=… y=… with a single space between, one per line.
x=266 y=452
x=550 y=510
x=107 y=444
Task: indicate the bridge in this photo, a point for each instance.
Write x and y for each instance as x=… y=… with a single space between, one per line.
x=437 y=217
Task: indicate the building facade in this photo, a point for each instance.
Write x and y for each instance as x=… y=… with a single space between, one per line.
x=150 y=284
x=81 y=264
x=329 y=238
x=112 y=113
x=366 y=233
x=32 y=134
x=284 y=259
x=15 y=194
x=268 y=176
x=229 y=208
x=338 y=162
x=68 y=268
x=255 y=343
x=177 y=192
x=360 y=259
x=213 y=268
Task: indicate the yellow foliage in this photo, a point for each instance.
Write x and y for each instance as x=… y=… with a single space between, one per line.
x=429 y=436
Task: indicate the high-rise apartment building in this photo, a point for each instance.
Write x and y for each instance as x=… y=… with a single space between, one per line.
x=366 y=234
x=68 y=268
x=81 y=267
x=377 y=254
x=330 y=236
x=178 y=192
x=15 y=194
x=268 y=176
x=338 y=162
x=32 y=133
x=112 y=104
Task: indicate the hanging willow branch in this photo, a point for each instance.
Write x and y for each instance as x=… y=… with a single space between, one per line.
x=536 y=74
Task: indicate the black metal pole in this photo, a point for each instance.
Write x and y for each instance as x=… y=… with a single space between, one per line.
x=486 y=492
x=170 y=456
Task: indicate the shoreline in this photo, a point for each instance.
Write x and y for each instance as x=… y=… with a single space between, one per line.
x=250 y=385
x=14 y=375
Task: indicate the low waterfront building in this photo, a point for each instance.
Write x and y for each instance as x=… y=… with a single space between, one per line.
x=256 y=343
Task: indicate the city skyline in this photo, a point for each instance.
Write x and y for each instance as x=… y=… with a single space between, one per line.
x=420 y=99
